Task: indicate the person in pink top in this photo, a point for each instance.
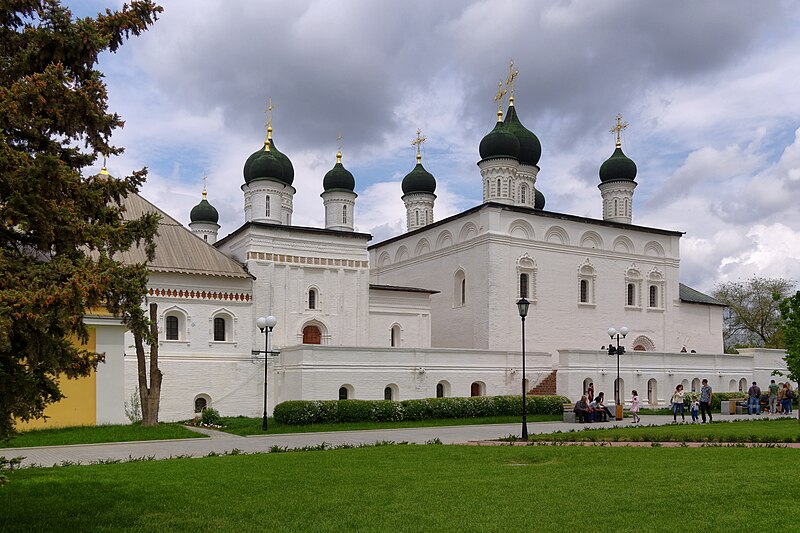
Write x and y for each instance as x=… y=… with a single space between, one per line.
x=635 y=407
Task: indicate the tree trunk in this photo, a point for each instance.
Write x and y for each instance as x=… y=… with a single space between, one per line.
x=150 y=396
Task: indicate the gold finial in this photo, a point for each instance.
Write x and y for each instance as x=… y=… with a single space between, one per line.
x=339 y=151
x=204 y=187
x=104 y=170
x=499 y=99
x=618 y=129
x=418 y=143
x=269 y=119
x=510 y=82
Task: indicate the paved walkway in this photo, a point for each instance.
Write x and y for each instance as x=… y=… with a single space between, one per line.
x=219 y=442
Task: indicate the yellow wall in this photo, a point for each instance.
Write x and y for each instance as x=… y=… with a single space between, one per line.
x=78 y=407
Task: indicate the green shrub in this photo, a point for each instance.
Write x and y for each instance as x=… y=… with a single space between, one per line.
x=210 y=417
x=299 y=412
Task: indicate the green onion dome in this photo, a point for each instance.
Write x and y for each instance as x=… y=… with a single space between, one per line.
x=288 y=168
x=617 y=168
x=499 y=143
x=204 y=212
x=530 y=149
x=263 y=164
x=419 y=180
x=339 y=177
x=538 y=202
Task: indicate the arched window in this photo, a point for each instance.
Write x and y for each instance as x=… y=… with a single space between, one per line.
x=477 y=389
x=439 y=390
x=387 y=393
x=742 y=385
x=266 y=209
x=200 y=403
x=312 y=335
x=205 y=238
x=732 y=386
x=652 y=391
x=344 y=214
x=584 y=291
x=498 y=187
x=616 y=207
x=653 y=296
x=172 y=328
x=523 y=193
x=523 y=285
x=417 y=215
x=587 y=275
x=631 y=294
x=312 y=298
x=394 y=335
x=459 y=289
x=343 y=393
x=219 y=329
x=696 y=385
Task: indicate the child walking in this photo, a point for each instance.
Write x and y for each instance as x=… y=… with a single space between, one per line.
x=695 y=409
x=635 y=407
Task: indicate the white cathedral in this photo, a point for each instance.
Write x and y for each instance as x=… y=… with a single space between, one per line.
x=428 y=313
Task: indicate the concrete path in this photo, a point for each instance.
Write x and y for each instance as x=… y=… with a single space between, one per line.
x=219 y=442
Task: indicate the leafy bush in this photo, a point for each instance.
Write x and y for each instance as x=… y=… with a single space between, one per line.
x=210 y=417
x=299 y=412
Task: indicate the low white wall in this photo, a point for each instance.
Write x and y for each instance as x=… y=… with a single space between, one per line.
x=723 y=371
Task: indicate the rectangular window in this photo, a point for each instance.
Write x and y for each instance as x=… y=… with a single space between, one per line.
x=584 y=291
x=631 y=294
x=653 y=296
x=266 y=209
x=172 y=328
x=219 y=329
x=523 y=285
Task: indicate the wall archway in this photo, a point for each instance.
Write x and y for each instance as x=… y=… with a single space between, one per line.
x=443 y=389
x=642 y=343
x=478 y=388
x=652 y=391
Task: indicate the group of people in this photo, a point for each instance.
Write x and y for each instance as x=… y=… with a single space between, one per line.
x=699 y=406
x=778 y=395
x=593 y=410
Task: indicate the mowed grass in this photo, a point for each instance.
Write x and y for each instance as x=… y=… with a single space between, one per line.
x=252 y=426
x=97 y=434
x=418 y=488
x=766 y=430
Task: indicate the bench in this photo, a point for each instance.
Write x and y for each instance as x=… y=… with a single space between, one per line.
x=569 y=414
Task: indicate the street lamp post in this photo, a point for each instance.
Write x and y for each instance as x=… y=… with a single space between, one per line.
x=265 y=324
x=619 y=350
x=522 y=307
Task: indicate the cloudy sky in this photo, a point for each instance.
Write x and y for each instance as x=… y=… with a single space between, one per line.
x=710 y=90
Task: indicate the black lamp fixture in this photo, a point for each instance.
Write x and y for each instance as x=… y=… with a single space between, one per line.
x=522 y=307
x=265 y=324
x=617 y=350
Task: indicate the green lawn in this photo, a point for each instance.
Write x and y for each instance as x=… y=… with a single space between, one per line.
x=96 y=434
x=767 y=430
x=418 y=488
x=252 y=426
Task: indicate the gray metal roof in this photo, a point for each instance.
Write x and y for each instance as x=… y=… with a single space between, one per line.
x=688 y=294
x=177 y=249
x=401 y=289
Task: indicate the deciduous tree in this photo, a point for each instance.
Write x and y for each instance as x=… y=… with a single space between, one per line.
x=60 y=230
x=790 y=315
x=752 y=317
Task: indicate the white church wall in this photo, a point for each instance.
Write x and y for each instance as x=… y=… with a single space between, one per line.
x=407 y=313
x=320 y=371
x=699 y=327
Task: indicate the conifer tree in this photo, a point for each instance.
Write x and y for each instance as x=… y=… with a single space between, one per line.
x=60 y=230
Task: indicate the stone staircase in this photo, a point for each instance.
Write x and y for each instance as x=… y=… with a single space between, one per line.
x=546 y=386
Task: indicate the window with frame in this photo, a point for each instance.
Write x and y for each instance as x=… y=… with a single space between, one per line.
x=523 y=193
x=343 y=393
x=459 y=289
x=523 y=285
x=172 y=323
x=200 y=403
x=344 y=214
x=416 y=213
x=219 y=329
x=584 y=291
x=394 y=336
x=586 y=283
x=266 y=207
x=440 y=390
x=631 y=294
x=653 y=296
x=633 y=287
x=387 y=393
x=498 y=187
x=312 y=298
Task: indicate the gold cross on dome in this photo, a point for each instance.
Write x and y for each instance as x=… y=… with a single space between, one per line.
x=499 y=99
x=104 y=170
x=618 y=129
x=339 y=150
x=418 y=143
x=204 y=186
x=512 y=74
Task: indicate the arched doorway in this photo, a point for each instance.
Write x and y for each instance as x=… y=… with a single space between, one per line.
x=652 y=392
x=477 y=389
x=312 y=335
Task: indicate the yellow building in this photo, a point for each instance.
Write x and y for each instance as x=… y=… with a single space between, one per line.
x=98 y=398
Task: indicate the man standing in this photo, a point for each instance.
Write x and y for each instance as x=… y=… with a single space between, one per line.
x=773 y=398
x=754 y=402
x=705 y=401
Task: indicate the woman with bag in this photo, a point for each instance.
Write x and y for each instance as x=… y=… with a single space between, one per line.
x=677 y=404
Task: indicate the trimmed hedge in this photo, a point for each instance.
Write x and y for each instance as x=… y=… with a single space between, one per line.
x=716 y=398
x=299 y=412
